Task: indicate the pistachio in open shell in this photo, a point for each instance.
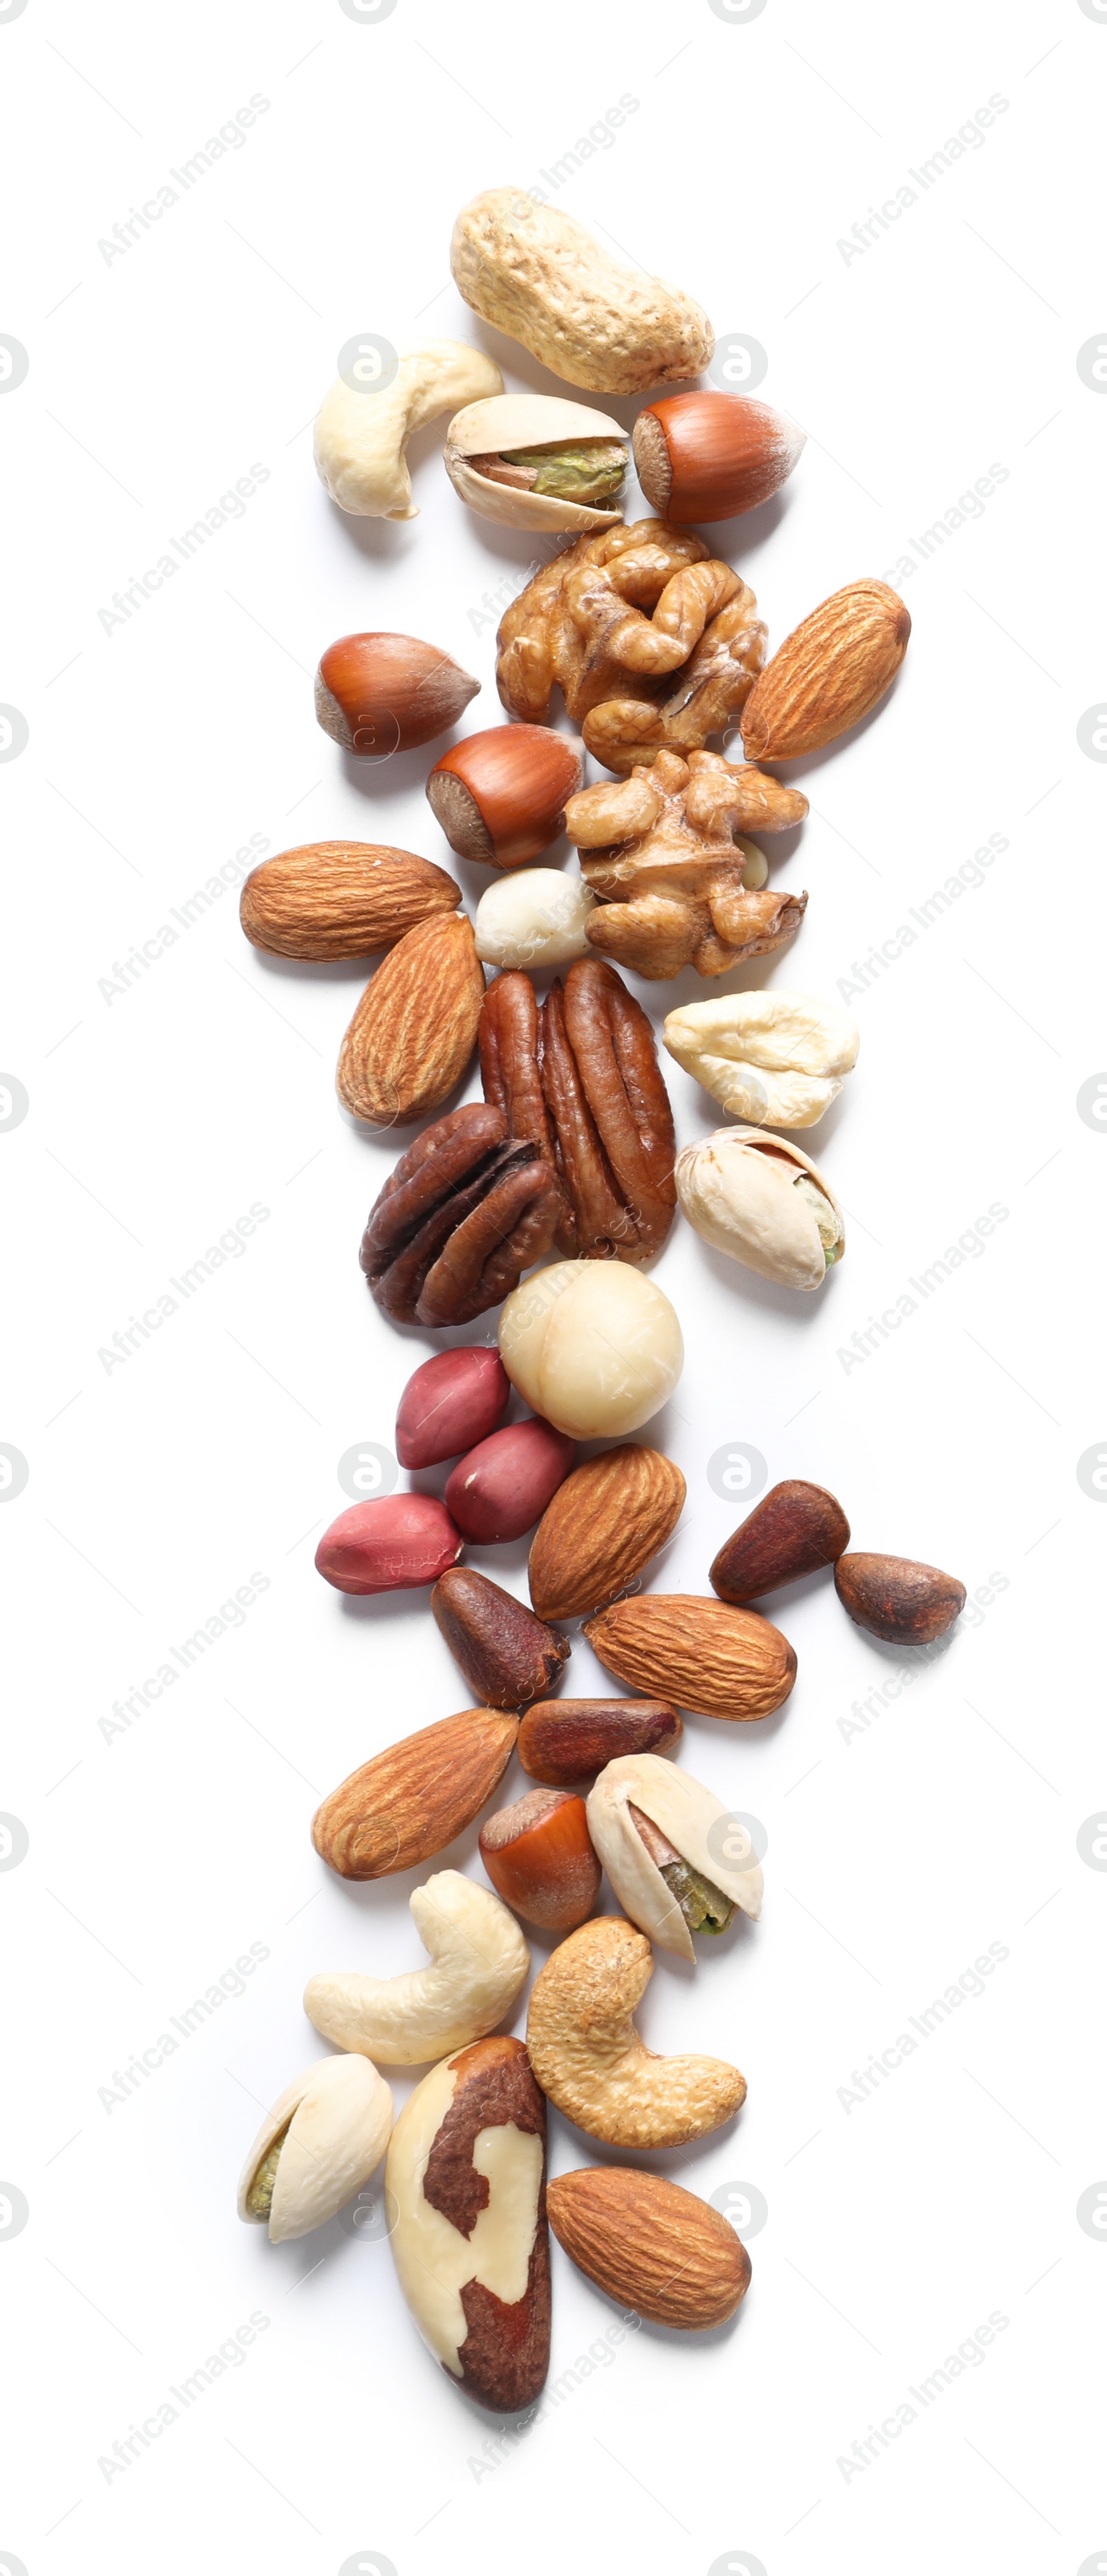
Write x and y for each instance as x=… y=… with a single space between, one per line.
x=678 y=1861
x=764 y=1202
x=316 y=2149
x=536 y=461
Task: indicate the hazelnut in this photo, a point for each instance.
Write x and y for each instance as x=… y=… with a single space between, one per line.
x=711 y=456
x=539 y=1857
x=375 y=694
x=500 y=796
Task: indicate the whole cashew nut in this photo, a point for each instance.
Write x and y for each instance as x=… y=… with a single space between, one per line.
x=479 y=1960
x=589 y=2058
x=360 y=438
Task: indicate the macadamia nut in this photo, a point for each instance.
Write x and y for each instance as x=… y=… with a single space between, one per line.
x=592 y=1345
x=537 y=917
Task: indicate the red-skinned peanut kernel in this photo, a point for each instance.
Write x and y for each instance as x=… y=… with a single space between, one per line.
x=394 y=1544
x=454 y=1400
x=501 y=1488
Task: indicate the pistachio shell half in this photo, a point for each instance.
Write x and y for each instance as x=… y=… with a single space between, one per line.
x=542 y=451
x=764 y=1202
x=324 y=2136
x=708 y=1846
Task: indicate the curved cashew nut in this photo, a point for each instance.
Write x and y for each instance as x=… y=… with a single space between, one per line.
x=590 y=2060
x=360 y=438
x=479 y=1960
x=324 y=2136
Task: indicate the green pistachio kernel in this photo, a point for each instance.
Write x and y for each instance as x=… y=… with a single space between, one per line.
x=831 y=1231
x=589 y=470
x=704 y=1908
x=259 y=2198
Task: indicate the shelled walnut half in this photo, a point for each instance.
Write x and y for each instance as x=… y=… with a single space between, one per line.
x=578 y=1078
x=660 y=850
x=653 y=643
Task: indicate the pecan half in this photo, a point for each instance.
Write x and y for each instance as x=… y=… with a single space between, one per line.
x=509 y=1038
x=611 y=1114
x=465 y=1212
x=580 y=1079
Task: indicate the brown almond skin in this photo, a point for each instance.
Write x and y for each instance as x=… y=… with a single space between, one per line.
x=829 y=672
x=341 y=899
x=415 y=1027
x=700 y=1653
x=897 y=1599
x=652 y=2246
x=508 y=1656
x=562 y=1741
x=602 y=1526
x=409 y=1802
x=797 y=1529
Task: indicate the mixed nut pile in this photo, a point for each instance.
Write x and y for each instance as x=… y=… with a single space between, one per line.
x=571 y=1161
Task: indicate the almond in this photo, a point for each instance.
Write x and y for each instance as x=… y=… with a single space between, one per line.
x=603 y=1525
x=415 y=1026
x=408 y=1803
x=701 y=1654
x=829 y=673
x=341 y=899
x=650 y=2245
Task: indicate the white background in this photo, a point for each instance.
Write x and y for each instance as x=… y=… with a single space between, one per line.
x=897 y=1853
